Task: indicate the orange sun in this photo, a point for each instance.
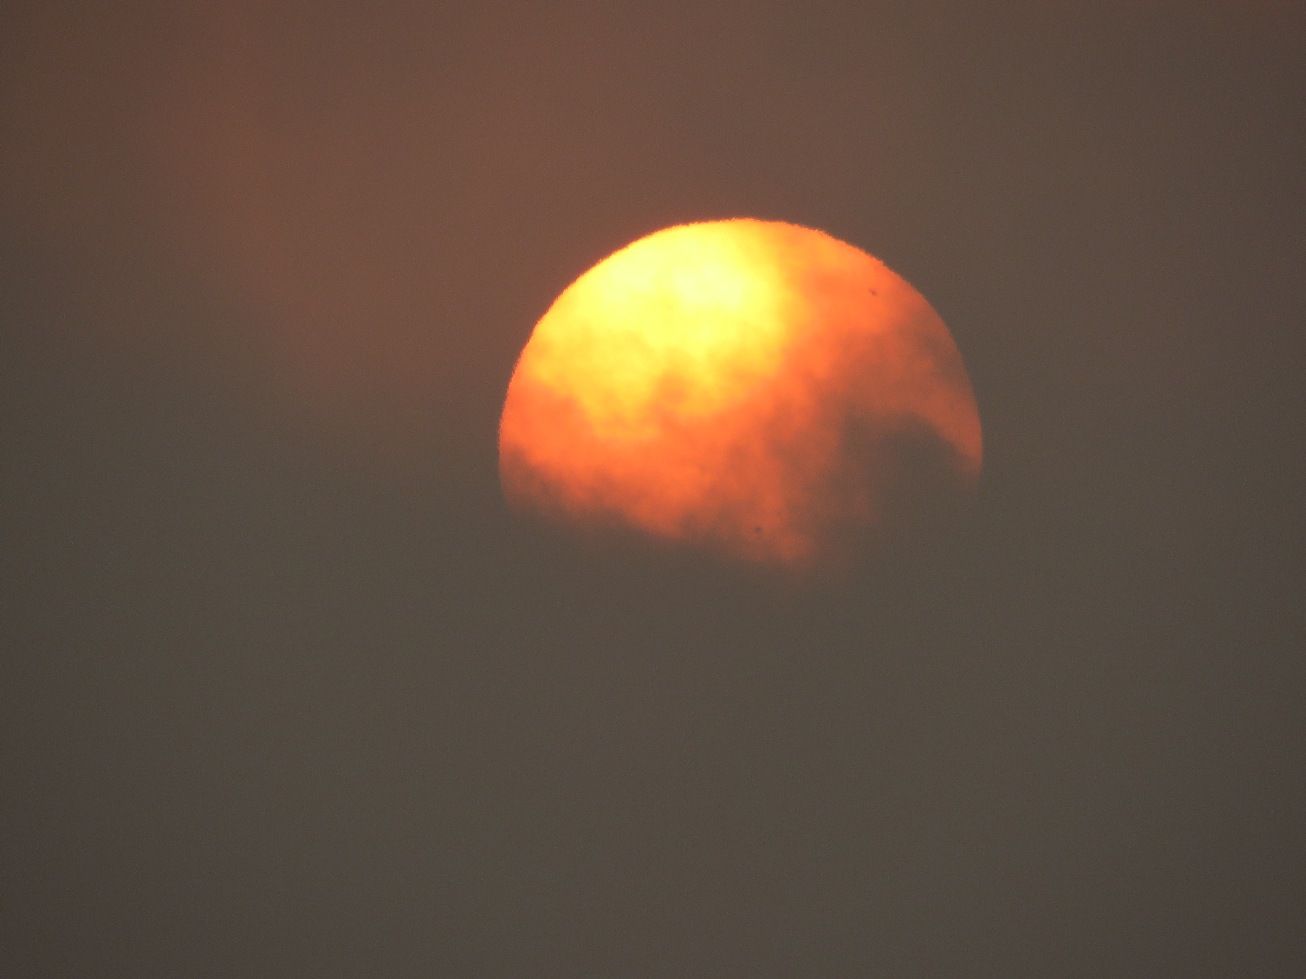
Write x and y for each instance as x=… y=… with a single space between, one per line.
x=757 y=387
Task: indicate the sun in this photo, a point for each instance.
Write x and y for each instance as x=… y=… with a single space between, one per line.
x=755 y=387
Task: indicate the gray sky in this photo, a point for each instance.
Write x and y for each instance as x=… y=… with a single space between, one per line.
x=286 y=689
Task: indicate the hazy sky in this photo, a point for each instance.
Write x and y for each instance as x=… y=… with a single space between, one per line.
x=287 y=691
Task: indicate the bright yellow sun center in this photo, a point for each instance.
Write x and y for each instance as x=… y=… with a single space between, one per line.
x=673 y=322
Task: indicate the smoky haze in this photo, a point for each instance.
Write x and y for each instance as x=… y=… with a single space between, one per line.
x=288 y=691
